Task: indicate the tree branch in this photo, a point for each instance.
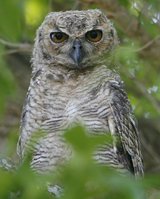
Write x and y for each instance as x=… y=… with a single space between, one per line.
x=7 y=52
x=149 y=96
x=148 y=44
x=76 y=5
x=150 y=149
x=16 y=45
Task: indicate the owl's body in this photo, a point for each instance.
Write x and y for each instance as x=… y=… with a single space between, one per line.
x=74 y=80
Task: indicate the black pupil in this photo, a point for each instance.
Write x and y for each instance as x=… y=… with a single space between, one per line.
x=58 y=36
x=93 y=34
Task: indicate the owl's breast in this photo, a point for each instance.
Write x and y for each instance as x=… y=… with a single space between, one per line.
x=87 y=104
x=88 y=110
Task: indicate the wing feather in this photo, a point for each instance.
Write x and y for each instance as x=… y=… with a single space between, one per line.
x=128 y=145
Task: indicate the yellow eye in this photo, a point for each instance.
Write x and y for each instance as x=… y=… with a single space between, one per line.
x=94 y=35
x=58 y=37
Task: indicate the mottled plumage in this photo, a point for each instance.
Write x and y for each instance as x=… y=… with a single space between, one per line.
x=76 y=80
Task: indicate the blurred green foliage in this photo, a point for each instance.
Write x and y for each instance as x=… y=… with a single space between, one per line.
x=34 y=11
x=79 y=178
x=10 y=19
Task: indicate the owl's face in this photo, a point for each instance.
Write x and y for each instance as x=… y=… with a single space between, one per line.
x=74 y=39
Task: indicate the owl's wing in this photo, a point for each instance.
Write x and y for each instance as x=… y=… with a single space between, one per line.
x=32 y=114
x=127 y=145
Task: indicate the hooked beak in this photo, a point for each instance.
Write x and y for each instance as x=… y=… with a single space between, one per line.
x=77 y=53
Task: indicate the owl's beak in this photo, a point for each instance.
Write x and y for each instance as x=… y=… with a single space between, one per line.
x=77 y=53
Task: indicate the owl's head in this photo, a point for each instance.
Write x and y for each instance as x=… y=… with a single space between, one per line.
x=74 y=39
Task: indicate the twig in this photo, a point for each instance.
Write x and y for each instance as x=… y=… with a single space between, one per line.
x=150 y=149
x=15 y=45
x=129 y=27
x=143 y=89
x=76 y=5
x=50 y=6
x=148 y=44
x=150 y=97
x=15 y=51
x=18 y=47
x=143 y=47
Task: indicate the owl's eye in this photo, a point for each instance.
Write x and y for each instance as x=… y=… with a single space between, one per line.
x=58 y=37
x=94 y=35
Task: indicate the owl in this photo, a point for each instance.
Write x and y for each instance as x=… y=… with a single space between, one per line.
x=75 y=79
